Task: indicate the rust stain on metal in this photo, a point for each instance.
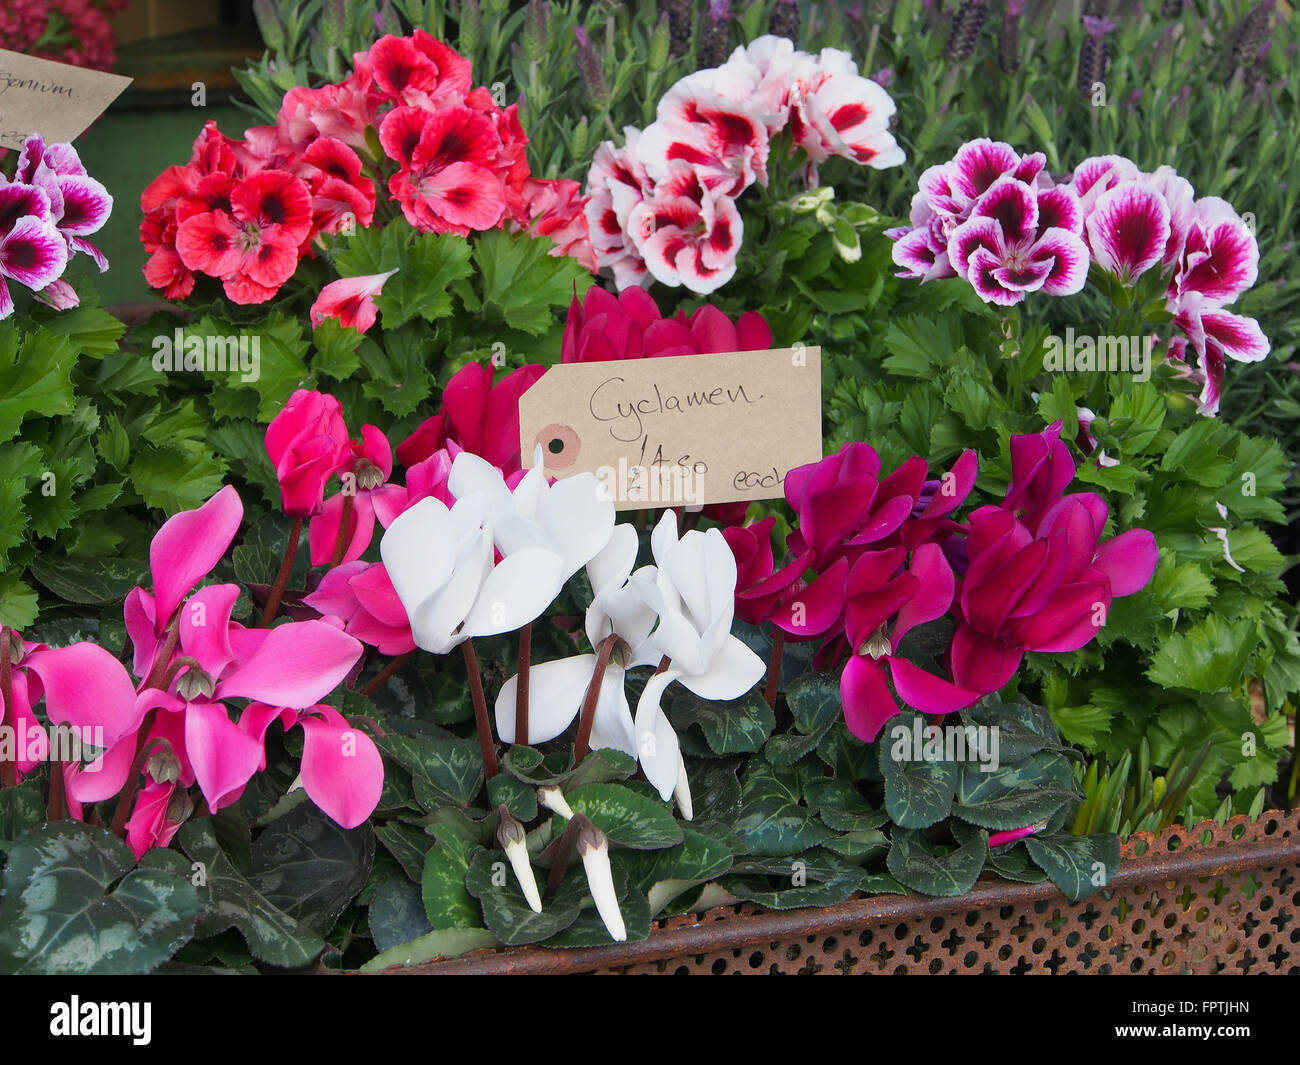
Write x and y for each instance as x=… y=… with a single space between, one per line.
x=1211 y=899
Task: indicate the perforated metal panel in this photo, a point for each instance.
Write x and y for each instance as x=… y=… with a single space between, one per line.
x=1209 y=900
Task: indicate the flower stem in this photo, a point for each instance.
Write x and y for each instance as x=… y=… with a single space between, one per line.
x=282 y=578
x=344 y=537
x=123 y=808
x=377 y=681
x=563 y=852
x=588 y=714
x=521 y=698
x=480 y=710
x=54 y=810
x=8 y=769
x=774 y=666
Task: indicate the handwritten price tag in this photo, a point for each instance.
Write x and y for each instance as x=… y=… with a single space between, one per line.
x=689 y=429
x=53 y=99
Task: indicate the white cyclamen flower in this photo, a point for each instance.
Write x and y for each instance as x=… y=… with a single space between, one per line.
x=440 y=561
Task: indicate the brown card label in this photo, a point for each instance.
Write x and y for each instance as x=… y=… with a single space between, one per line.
x=688 y=429
x=53 y=99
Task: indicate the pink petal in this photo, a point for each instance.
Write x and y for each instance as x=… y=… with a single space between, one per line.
x=296 y=665
x=205 y=626
x=814 y=610
x=187 y=546
x=1129 y=560
x=342 y=771
x=85 y=686
x=925 y=692
x=934 y=592
x=223 y=755
x=1128 y=229
x=865 y=694
x=983 y=663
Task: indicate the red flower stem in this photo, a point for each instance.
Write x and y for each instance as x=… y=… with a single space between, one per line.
x=774 y=666
x=123 y=808
x=480 y=710
x=588 y=714
x=162 y=657
x=344 y=537
x=521 y=698
x=563 y=853
x=282 y=578
x=377 y=681
x=54 y=811
x=8 y=769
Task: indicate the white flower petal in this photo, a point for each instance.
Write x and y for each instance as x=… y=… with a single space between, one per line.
x=417 y=552
x=516 y=592
x=656 y=741
x=579 y=519
x=612 y=726
x=733 y=672
x=555 y=693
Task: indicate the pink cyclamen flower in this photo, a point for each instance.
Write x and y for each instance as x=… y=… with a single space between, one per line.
x=362 y=596
x=306 y=443
x=479 y=416
x=880 y=590
x=351 y=300
x=1020 y=240
x=365 y=482
x=1048 y=590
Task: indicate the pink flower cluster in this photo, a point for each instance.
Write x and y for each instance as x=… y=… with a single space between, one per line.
x=173 y=728
x=67 y=31
x=248 y=211
x=46 y=213
x=873 y=558
x=1136 y=222
x=997 y=220
x=663 y=206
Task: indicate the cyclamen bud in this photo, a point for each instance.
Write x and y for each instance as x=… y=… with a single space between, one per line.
x=512 y=839
x=682 y=793
x=553 y=799
x=593 y=847
x=163 y=765
x=180 y=807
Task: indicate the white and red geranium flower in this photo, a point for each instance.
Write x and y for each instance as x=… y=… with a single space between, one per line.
x=662 y=207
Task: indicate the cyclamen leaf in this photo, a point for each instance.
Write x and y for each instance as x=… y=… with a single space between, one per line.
x=230 y=901
x=76 y=902
x=915 y=863
x=446 y=901
x=627 y=818
x=1079 y=865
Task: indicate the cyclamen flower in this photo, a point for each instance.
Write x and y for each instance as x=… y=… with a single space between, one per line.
x=306 y=443
x=361 y=595
x=365 y=475
x=477 y=416
x=603 y=327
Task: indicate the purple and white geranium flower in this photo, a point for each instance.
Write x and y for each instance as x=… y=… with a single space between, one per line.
x=47 y=211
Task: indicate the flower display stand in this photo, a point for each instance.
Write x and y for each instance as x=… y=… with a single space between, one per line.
x=1212 y=899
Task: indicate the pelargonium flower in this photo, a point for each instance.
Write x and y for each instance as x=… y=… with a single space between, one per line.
x=351 y=300
x=616 y=182
x=1128 y=230
x=417 y=70
x=477 y=415
x=253 y=246
x=603 y=327
x=79 y=205
x=557 y=209
x=947 y=196
x=1019 y=240
x=445 y=182
x=32 y=251
x=687 y=233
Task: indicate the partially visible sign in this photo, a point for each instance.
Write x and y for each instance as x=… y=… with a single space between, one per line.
x=56 y=100
x=688 y=429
